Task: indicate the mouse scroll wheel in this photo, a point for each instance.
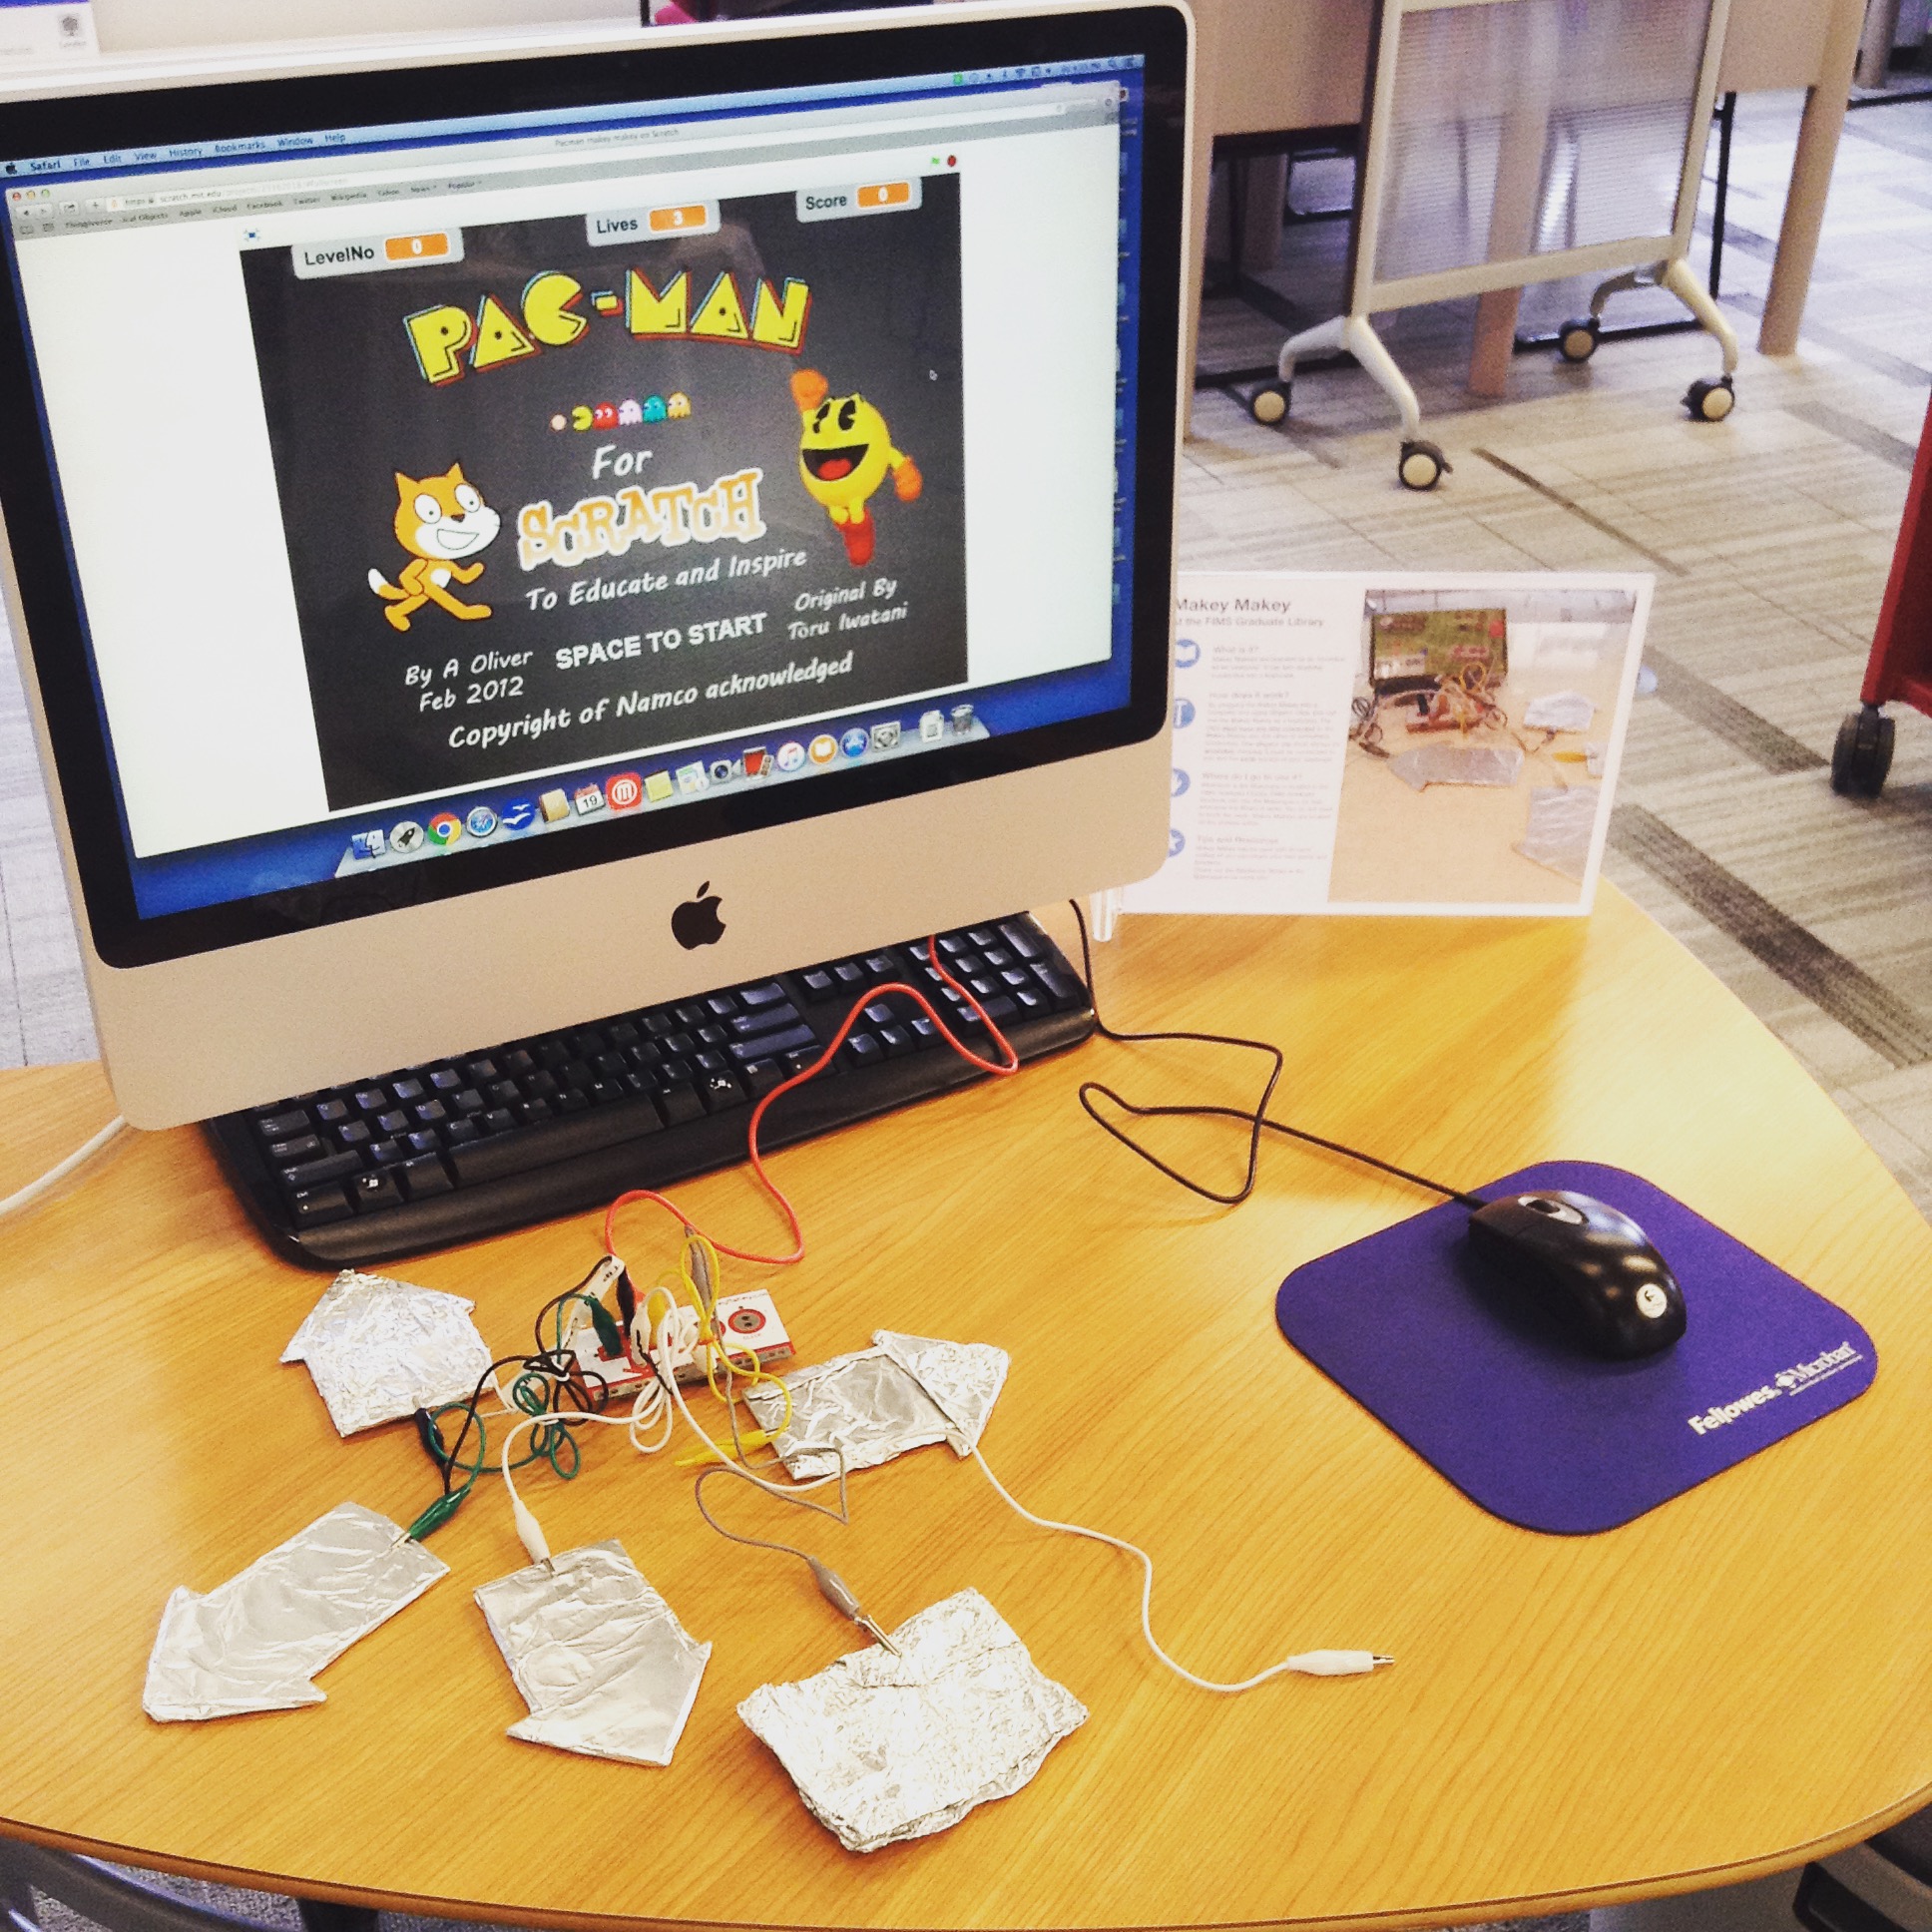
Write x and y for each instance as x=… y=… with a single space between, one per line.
x=1556 y=1209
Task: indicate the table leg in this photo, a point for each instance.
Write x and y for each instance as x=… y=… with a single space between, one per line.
x=1817 y=149
x=1489 y=361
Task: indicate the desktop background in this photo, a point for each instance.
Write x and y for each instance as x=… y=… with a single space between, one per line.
x=659 y=642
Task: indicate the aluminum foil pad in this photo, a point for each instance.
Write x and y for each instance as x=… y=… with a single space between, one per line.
x=601 y=1660
x=381 y=1349
x=255 y=1642
x=885 y=1747
x=901 y=1393
x=1470 y=764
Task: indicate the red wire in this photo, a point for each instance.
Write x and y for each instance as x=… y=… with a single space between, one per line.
x=798 y=1078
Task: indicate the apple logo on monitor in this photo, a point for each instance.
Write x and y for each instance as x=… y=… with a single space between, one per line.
x=695 y=922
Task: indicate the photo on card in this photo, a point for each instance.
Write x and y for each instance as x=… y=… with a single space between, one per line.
x=565 y=489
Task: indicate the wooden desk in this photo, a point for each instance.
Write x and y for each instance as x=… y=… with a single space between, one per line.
x=1734 y=1681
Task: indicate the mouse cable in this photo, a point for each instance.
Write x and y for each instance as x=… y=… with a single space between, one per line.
x=1257 y=1118
x=24 y=1198
x=1311 y=1664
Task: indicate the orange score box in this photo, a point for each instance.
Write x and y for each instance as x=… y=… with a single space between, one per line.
x=885 y=194
x=415 y=248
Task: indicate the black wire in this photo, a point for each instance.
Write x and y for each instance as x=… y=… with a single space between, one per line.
x=1257 y=1118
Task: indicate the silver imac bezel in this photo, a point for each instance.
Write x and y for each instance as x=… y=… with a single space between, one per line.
x=238 y=1024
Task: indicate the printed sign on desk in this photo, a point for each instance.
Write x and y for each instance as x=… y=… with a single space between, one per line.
x=1395 y=742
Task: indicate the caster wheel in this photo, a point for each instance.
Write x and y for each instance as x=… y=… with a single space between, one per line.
x=1863 y=753
x=1422 y=466
x=1576 y=340
x=1270 y=403
x=1710 y=401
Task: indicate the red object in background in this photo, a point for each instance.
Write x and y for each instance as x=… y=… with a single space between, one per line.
x=1900 y=668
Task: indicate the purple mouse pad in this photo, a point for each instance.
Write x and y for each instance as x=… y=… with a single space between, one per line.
x=1484 y=1385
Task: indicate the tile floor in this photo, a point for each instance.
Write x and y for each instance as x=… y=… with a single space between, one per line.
x=1770 y=536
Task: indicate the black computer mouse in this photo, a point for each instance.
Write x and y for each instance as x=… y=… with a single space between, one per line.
x=1591 y=1266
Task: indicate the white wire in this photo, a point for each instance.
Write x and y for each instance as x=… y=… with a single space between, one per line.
x=32 y=1191
x=1314 y=1663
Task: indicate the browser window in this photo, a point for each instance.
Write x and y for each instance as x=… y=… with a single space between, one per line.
x=437 y=485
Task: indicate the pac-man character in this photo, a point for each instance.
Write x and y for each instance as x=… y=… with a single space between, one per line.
x=678 y=405
x=628 y=412
x=654 y=408
x=439 y=521
x=844 y=451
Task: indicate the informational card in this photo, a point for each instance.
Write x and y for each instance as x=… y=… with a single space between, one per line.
x=1395 y=741
x=35 y=33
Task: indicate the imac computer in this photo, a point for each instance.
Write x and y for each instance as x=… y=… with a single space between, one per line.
x=549 y=533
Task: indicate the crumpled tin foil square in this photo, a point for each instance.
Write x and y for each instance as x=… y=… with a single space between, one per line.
x=601 y=1660
x=255 y=1642
x=381 y=1349
x=901 y=1393
x=885 y=1747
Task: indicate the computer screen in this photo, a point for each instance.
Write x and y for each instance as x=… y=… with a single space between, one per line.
x=576 y=458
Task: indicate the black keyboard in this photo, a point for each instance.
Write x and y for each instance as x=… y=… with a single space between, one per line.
x=457 y=1149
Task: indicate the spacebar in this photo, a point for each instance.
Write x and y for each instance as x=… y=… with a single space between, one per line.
x=537 y=1145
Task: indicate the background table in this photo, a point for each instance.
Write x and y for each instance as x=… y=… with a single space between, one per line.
x=1737 y=1680
x=1270 y=66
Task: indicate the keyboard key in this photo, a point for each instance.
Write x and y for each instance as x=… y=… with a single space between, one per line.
x=979 y=936
x=392 y=1121
x=818 y=984
x=284 y=1127
x=585 y=1043
x=481 y=1071
x=998 y=958
x=575 y=1074
x=423 y=1141
x=765 y=1020
x=895 y=1040
x=1000 y=1008
x=849 y=974
x=505 y=1092
x=430 y=1112
x=925 y=1031
x=536 y=1146
x=711 y=1036
x=469 y=1100
x=672 y=1072
x=1063 y=991
x=385 y=1154
x=798 y=1036
x=426 y=1175
x=315 y=1207
x=1030 y=1000
x=711 y=1062
x=680 y=1103
x=691 y=1014
x=623 y=1034
x=518 y=1062
x=863 y=1051
x=304 y=1147
x=720 y=1091
x=679 y=1045
x=353 y=1132
x=540 y=1085
x=952 y=944
x=769 y=994
x=373 y=1099
x=1012 y=978
x=499 y=1120
x=603 y=1091
x=880 y=1013
x=983 y=986
x=374 y=1189
x=721 y=1005
x=331 y=1111
x=459 y=1132
x=445 y=1079
x=882 y=966
x=573 y=1100
x=406 y=1090
x=1022 y=941
x=312 y=1173
x=762 y=1076
x=551 y=1054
